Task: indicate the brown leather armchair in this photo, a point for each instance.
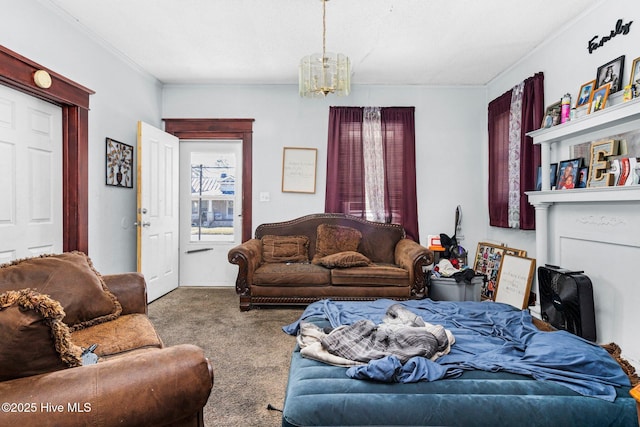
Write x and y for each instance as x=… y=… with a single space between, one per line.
x=136 y=382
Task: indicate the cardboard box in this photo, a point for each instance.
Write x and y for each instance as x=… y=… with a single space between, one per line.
x=447 y=289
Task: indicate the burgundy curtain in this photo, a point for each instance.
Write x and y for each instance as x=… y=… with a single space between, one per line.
x=499 y=160
x=345 y=191
x=532 y=113
x=399 y=141
x=498 y=127
x=345 y=163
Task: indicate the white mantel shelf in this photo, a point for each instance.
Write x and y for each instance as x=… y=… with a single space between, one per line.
x=608 y=122
x=585 y=195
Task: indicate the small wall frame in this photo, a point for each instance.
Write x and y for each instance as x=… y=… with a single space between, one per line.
x=514 y=281
x=119 y=164
x=299 y=170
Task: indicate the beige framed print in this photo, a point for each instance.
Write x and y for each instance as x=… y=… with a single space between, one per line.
x=514 y=281
x=299 y=170
x=634 y=79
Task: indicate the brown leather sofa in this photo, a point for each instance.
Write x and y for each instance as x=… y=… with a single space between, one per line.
x=54 y=307
x=302 y=260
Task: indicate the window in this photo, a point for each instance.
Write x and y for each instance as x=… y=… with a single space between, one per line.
x=371 y=169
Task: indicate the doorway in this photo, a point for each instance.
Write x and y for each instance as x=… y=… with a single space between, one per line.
x=210 y=210
x=30 y=176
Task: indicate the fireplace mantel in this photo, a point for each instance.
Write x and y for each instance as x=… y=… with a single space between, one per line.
x=593 y=229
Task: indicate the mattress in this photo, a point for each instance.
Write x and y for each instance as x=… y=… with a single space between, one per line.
x=319 y=394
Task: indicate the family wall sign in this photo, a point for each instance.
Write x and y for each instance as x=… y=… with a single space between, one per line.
x=597 y=41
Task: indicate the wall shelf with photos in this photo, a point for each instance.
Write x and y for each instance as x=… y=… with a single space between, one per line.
x=613 y=120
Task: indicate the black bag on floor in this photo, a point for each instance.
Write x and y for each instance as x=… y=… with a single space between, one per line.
x=566 y=300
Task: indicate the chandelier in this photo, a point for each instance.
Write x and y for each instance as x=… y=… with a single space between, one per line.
x=325 y=73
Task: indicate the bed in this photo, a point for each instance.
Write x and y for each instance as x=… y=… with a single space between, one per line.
x=501 y=370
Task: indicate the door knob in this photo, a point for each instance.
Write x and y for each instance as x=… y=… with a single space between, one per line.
x=144 y=224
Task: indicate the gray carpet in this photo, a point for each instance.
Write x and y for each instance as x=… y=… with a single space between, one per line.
x=249 y=352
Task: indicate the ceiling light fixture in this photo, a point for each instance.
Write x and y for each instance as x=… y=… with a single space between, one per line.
x=322 y=74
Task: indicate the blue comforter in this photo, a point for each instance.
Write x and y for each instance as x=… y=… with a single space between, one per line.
x=489 y=336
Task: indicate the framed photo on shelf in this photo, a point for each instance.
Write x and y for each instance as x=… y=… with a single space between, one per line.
x=634 y=79
x=487 y=262
x=583 y=176
x=599 y=98
x=553 y=173
x=568 y=174
x=551 y=115
x=611 y=73
x=584 y=95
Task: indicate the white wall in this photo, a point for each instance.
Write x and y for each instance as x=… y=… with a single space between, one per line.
x=450 y=123
x=123 y=95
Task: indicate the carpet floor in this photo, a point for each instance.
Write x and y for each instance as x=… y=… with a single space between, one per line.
x=249 y=351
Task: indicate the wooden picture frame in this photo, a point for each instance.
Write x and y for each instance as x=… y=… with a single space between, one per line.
x=599 y=98
x=119 y=164
x=634 y=78
x=514 y=281
x=487 y=262
x=568 y=174
x=611 y=73
x=299 y=170
x=585 y=93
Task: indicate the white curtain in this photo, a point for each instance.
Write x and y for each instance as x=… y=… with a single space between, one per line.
x=515 y=130
x=373 y=164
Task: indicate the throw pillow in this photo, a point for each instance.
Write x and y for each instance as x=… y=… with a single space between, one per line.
x=68 y=278
x=332 y=239
x=285 y=248
x=34 y=338
x=343 y=260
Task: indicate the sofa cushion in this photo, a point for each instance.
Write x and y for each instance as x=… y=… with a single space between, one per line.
x=291 y=274
x=343 y=260
x=331 y=239
x=34 y=338
x=285 y=248
x=68 y=278
x=372 y=275
x=122 y=335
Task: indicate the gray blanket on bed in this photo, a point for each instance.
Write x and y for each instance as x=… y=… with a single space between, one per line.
x=401 y=333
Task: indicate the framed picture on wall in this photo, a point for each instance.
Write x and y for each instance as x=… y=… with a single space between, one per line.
x=119 y=164
x=299 y=170
x=611 y=73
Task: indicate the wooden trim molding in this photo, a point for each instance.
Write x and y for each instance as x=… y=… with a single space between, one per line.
x=17 y=72
x=223 y=129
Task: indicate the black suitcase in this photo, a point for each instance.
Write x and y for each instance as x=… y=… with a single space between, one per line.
x=566 y=300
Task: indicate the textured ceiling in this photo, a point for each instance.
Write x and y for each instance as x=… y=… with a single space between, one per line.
x=426 y=42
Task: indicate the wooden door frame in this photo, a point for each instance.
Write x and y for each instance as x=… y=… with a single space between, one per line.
x=17 y=73
x=241 y=129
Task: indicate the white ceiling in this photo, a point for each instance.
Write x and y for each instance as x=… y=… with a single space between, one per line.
x=426 y=42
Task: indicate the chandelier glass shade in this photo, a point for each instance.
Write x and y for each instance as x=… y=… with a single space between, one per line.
x=323 y=73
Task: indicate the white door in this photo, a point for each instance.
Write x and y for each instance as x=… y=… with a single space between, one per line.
x=157 y=214
x=210 y=210
x=30 y=176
